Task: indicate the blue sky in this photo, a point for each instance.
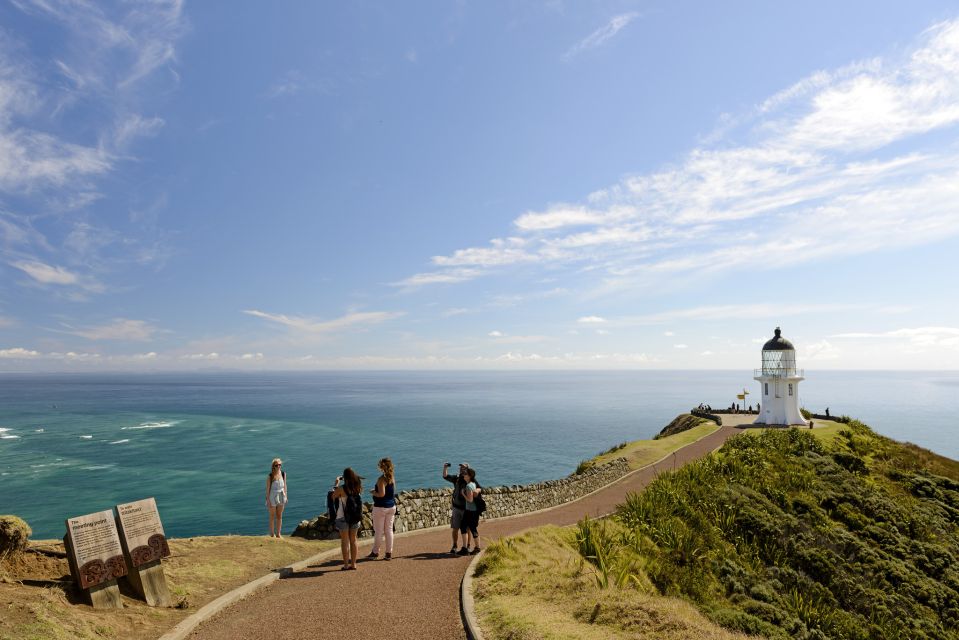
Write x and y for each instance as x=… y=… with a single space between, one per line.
x=477 y=185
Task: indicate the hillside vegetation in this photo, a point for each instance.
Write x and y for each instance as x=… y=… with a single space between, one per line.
x=782 y=534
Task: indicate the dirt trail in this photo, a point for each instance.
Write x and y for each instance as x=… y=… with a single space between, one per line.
x=416 y=595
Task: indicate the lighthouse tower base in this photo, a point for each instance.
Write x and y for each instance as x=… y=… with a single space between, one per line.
x=780 y=401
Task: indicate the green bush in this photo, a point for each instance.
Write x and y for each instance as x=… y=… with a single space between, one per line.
x=779 y=536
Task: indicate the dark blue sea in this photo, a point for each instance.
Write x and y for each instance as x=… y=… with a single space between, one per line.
x=202 y=443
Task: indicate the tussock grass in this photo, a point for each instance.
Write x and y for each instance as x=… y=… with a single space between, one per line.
x=537 y=586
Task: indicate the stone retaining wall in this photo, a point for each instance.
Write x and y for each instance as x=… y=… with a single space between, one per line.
x=423 y=508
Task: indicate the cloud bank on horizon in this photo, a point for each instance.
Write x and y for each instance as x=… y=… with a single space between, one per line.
x=830 y=205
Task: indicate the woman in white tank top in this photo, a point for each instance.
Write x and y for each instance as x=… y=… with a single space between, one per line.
x=276 y=496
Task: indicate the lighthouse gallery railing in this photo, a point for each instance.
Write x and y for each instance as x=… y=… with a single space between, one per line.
x=780 y=372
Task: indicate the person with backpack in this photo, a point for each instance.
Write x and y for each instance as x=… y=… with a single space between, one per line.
x=474 y=505
x=384 y=510
x=459 y=503
x=276 y=496
x=348 y=504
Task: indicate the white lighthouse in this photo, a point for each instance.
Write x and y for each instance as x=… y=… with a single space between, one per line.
x=779 y=383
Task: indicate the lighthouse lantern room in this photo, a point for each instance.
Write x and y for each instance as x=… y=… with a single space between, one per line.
x=779 y=383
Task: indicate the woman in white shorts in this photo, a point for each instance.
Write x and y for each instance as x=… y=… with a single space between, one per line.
x=276 y=496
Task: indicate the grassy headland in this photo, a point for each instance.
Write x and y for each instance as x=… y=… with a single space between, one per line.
x=832 y=533
x=643 y=452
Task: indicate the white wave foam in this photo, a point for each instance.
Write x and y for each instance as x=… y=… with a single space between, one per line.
x=152 y=425
x=120 y=441
x=87 y=437
x=97 y=467
x=4 y=429
x=7 y=437
x=40 y=430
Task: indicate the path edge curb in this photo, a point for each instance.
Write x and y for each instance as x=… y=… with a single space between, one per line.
x=186 y=626
x=467 y=605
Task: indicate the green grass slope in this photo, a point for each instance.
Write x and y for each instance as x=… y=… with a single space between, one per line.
x=784 y=535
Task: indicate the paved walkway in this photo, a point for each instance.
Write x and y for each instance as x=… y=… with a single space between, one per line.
x=416 y=595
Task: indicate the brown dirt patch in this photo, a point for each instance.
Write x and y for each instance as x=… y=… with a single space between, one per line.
x=38 y=599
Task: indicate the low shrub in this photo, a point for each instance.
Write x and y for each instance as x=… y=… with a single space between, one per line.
x=14 y=535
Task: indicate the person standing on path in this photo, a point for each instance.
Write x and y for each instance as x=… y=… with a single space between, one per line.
x=384 y=509
x=471 y=514
x=351 y=491
x=276 y=496
x=459 y=502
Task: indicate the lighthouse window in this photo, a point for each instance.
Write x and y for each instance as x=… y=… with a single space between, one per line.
x=767 y=389
x=790 y=389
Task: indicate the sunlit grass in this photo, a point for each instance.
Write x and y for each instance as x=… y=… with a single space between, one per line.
x=643 y=452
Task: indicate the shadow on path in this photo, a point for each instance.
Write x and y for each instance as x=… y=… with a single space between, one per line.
x=432 y=555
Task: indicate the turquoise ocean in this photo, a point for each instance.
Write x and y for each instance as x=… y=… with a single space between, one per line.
x=201 y=444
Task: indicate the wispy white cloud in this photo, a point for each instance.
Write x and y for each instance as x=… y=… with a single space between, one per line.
x=819 y=351
x=119 y=329
x=504 y=339
x=734 y=312
x=45 y=273
x=927 y=337
x=845 y=150
x=449 y=276
x=76 y=286
x=295 y=82
x=312 y=325
x=591 y=320
x=136 y=126
x=495 y=334
x=101 y=55
x=601 y=36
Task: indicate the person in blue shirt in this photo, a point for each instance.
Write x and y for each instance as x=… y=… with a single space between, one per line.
x=384 y=509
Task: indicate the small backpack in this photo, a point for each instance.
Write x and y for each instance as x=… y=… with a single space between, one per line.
x=353 y=508
x=480 y=504
x=330 y=506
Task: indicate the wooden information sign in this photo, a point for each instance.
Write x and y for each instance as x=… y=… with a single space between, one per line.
x=96 y=558
x=144 y=545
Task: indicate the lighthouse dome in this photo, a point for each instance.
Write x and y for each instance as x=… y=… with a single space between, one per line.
x=778 y=343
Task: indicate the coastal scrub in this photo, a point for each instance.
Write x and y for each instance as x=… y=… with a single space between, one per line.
x=782 y=536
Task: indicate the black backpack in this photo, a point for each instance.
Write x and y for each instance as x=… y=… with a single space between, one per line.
x=480 y=504
x=353 y=509
x=330 y=506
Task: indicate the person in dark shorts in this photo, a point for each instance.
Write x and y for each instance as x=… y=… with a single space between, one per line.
x=459 y=502
x=470 y=522
x=352 y=486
